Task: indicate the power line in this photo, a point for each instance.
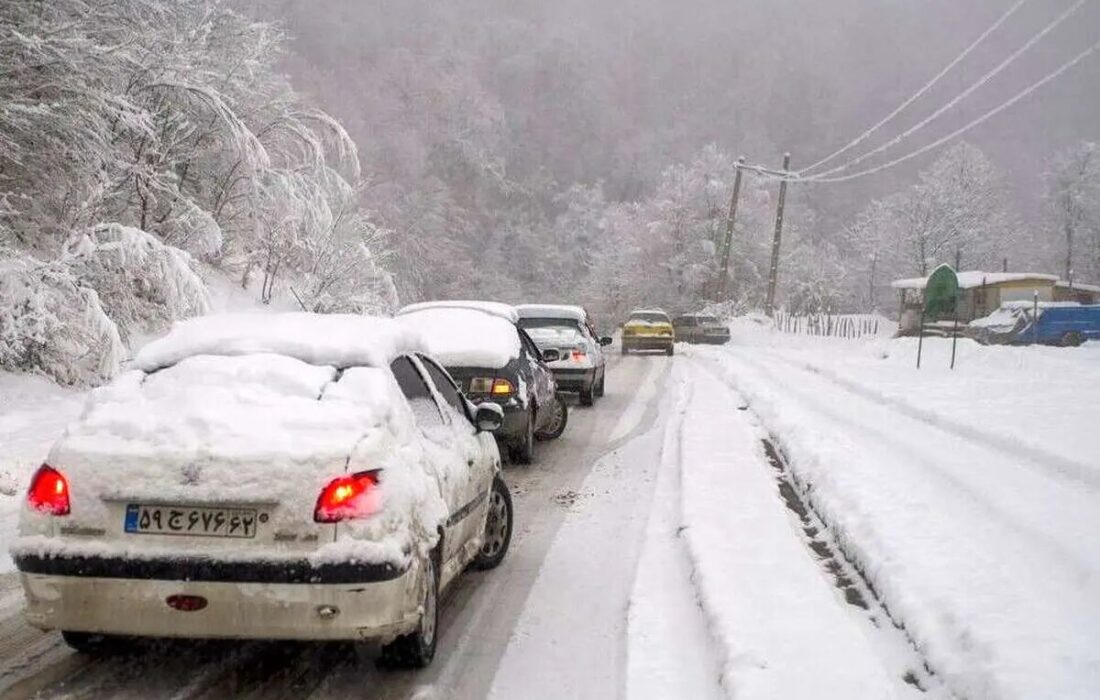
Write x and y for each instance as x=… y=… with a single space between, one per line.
x=939 y=142
x=919 y=93
x=961 y=96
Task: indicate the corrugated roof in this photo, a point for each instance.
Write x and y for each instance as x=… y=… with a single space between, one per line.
x=976 y=278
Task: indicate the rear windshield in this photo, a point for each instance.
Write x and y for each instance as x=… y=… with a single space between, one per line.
x=708 y=319
x=555 y=336
x=649 y=317
x=530 y=324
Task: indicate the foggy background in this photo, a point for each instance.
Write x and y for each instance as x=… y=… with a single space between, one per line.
x=492 y=109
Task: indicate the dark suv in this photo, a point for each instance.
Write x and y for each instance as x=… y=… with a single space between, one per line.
x=493 y=359
x=700 y=328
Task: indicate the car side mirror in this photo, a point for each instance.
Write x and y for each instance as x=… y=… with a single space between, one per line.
x=606 y=340
x=489 y=417
x=551 y=355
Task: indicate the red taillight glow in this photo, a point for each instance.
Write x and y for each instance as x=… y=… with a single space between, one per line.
x=502 y=387
x=49 y=492
x=579 y=356
x=345 y=497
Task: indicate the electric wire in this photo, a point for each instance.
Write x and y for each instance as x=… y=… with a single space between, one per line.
x=919 y=93
x=960 y=97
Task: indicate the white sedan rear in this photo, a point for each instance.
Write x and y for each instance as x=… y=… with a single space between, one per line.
x=284 y=476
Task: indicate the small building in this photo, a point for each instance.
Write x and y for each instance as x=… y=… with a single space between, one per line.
x=980 y=293
x=1075 y=291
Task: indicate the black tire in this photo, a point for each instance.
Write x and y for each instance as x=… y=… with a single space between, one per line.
x=669 y=351
x=557 y=427
x=1072 y=339
x=524 y=451
x=94 y=644
x=587 y=395
x=626 y=350
x=498 y=527
x=600 y=387
x=417 y=648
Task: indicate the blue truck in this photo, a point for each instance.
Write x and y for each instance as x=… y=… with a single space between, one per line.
x=1065 y=324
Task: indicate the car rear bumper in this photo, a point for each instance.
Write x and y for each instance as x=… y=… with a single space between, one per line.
x=574 y=380
x=289 y=608
x=648 y=342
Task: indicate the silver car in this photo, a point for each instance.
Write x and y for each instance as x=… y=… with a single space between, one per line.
x=575 y=350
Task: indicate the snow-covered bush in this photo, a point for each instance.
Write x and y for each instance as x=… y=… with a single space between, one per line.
x=142 y=283
x=52 y=325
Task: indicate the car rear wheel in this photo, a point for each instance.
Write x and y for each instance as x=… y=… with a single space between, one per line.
x=669 y=351
x=417 y=649
x=603 y=379
x=498 y=527
x=524 y=451
x=587 y=395
x=93 y=644
x=1071 y=339
x=559 y=417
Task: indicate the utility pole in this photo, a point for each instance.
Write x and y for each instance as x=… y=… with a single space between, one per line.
x=773 y=271
x=728 y=242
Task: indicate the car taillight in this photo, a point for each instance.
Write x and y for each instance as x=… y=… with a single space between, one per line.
x=502 y=387
x=579 y=355
x=49 y=492
x=346 y=497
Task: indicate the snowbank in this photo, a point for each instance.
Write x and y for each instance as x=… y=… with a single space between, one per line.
x=461 y=337
x=784 y=630
x=969 y=498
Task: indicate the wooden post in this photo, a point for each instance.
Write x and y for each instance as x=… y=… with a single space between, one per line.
x=920 y=338
x=954 y=337
x=773 y=271
x=728 y=241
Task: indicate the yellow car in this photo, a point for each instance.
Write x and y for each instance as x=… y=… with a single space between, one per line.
x=648 y=329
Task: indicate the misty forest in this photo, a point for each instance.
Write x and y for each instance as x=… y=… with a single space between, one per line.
x=354 y=155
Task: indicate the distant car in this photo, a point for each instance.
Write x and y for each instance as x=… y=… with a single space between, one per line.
x=700 y=328
x=648 y=329
x=494 y=360
x=266 y=476
x=581 y=367
x=1060 y=323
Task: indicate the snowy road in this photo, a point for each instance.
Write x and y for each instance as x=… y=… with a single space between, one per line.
x=483 y=611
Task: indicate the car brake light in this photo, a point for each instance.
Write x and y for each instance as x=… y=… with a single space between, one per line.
x=578 y=355
x=345 y=497
x=502 y=387
x=49 y=492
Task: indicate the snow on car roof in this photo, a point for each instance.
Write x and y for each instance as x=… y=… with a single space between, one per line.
x=575 y=313
x=464 y=337
x=495 y=308
x=977 y=278
x=339 y=340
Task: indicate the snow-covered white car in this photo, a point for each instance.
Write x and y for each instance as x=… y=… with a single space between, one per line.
x=282 y=476
x=581 y=366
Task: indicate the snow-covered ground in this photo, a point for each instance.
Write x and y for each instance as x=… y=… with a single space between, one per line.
x=968 y=498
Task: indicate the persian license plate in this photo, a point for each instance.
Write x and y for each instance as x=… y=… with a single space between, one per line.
x=196 y=521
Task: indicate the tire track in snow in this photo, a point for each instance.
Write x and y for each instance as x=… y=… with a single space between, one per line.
x=849 y=579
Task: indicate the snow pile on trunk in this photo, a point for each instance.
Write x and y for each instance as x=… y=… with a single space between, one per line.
x=460 y=337
x=341 y=340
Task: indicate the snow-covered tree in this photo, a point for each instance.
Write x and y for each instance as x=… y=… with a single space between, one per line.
x=1073 y=202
